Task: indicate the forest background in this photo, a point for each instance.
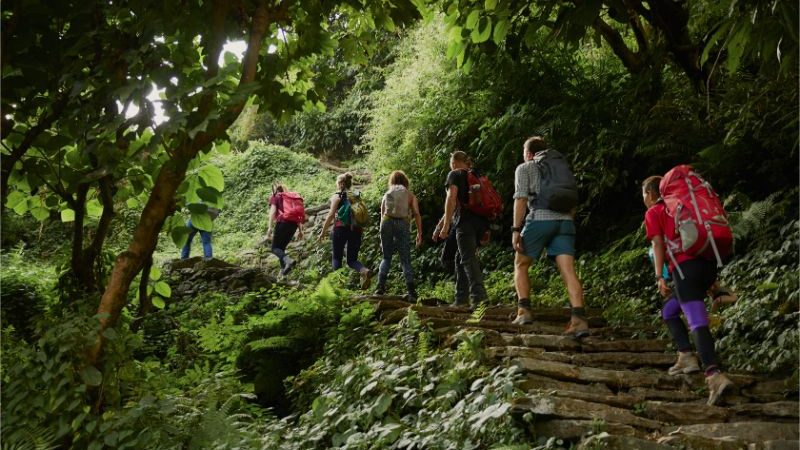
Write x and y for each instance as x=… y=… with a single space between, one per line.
x=120 y=120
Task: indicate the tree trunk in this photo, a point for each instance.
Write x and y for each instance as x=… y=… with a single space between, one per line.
x=145 y=302
x=93 y=268
x=76 y=261
x=161 y=202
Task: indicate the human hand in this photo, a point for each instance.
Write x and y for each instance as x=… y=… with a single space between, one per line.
x=663 y=288
x=444 y=232
x=419 y=239
x=516 y=242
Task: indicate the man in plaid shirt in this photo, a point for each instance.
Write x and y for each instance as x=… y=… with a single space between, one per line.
x=543 y=229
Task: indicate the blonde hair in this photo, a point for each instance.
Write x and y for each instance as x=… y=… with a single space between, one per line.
x=345 y=181
x=461 y=157
x=398 y=177
x=278 y=187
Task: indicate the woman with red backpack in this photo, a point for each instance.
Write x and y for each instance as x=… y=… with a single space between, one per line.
x=693 y=275
x=287 y=212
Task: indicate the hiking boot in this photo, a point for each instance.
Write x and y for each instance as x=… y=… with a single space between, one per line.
x=289 y=265
x=366 y=279
x=524 y=317
x=412 y=292
x=460 y=302
x=577 y=327
x=687 y=363
x=717 y=384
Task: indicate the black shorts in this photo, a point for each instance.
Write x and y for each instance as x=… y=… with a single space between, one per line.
x=698 y=276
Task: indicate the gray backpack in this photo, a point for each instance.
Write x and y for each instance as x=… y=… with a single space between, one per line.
x=396 y=201
x=557 y=188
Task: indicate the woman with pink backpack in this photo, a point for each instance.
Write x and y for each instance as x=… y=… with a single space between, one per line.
x=398 y=207
x=286 y=210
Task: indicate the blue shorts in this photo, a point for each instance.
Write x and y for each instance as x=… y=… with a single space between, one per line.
x=558 y=236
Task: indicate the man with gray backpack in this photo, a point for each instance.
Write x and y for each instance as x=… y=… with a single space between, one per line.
x=545 y=187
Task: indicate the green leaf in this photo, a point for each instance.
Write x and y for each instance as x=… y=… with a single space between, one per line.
x=39 y=213
x=455 y=33
x=500 y=31
x=223 y=147
x=158 y=302
x=110 y=334
x=163 y=289
x=489 y=5
x=15 y=198
x=94 y=208
x=67 y=215
x=155 y=274
x=179 y=235
x=482 y=33
x=382 y=404
x=91 y=376
x=472 y=19
x=212 y=177
x=209 y=195
x=202 y=221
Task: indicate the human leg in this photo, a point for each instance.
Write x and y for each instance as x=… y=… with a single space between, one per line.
x=188 y=245
x=338 y=242
x=387 y=250
x=404 y=250
x=467 y=239
x=462 y=283
x=687 y=362
x=205 y=237
x=353 y=247
x=284 y=231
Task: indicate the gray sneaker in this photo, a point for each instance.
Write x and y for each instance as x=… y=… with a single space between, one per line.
x=717 y=384
x=289 y=265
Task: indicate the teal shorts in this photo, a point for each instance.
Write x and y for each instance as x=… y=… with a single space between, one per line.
x=557 y=236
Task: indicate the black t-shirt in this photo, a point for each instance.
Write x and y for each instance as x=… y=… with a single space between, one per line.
x=458 y=178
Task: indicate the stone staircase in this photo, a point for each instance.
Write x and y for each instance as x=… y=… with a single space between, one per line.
x=611 y=390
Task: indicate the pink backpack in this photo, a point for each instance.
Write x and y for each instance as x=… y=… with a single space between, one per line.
x=292 y=208
x=701 y=225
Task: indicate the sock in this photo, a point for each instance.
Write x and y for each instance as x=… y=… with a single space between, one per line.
x=524 y=303
x=711 y=371
x=579 y=312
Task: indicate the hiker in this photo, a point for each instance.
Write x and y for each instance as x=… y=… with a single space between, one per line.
x=469 y=227
x=205 y=237
x=287 y=212
x=717 y=293
x=398 y=206
x=697 y=275
x=545 y=187
x=346 y=232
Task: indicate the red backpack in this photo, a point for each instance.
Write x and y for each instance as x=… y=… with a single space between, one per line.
x=483 y=198
x=701 y=225
x=292 y=208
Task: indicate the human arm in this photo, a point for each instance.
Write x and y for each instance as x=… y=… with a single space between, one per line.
x=417 y=218
x=522 y=188
x=520 y=208
x=329 y=218
x=273 y=217
x=658 y=264
x=449 y=209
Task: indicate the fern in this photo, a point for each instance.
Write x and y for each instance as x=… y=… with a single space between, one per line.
x=746 y=223
x=478 y=314
x=37 y=437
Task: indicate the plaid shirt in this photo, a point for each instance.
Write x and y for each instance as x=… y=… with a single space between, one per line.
x=526 y=183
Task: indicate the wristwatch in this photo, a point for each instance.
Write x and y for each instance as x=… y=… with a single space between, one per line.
x=516 y=229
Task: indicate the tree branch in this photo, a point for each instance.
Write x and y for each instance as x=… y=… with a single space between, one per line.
x=632 y=61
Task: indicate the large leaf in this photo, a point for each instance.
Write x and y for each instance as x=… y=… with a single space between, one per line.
x=67 y=215
x=483 y=31
x=202 y=221
x=163 y=289
x=472 y=19
x=500 y=31
x=180 y=235
x=212 y=176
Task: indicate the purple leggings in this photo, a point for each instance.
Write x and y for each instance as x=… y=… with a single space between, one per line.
x=694 y=310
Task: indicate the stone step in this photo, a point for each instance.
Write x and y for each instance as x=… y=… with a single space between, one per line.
x=586 y=345
x=781 y=409
x=748 y=431
x=623 y=360
x=684 y=413
x=575 y=429
x=607 y=441
x=614 y=379
x=568 y=408
x=539 y=383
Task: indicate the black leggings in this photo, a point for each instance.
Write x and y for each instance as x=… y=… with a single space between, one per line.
x=284 y=231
